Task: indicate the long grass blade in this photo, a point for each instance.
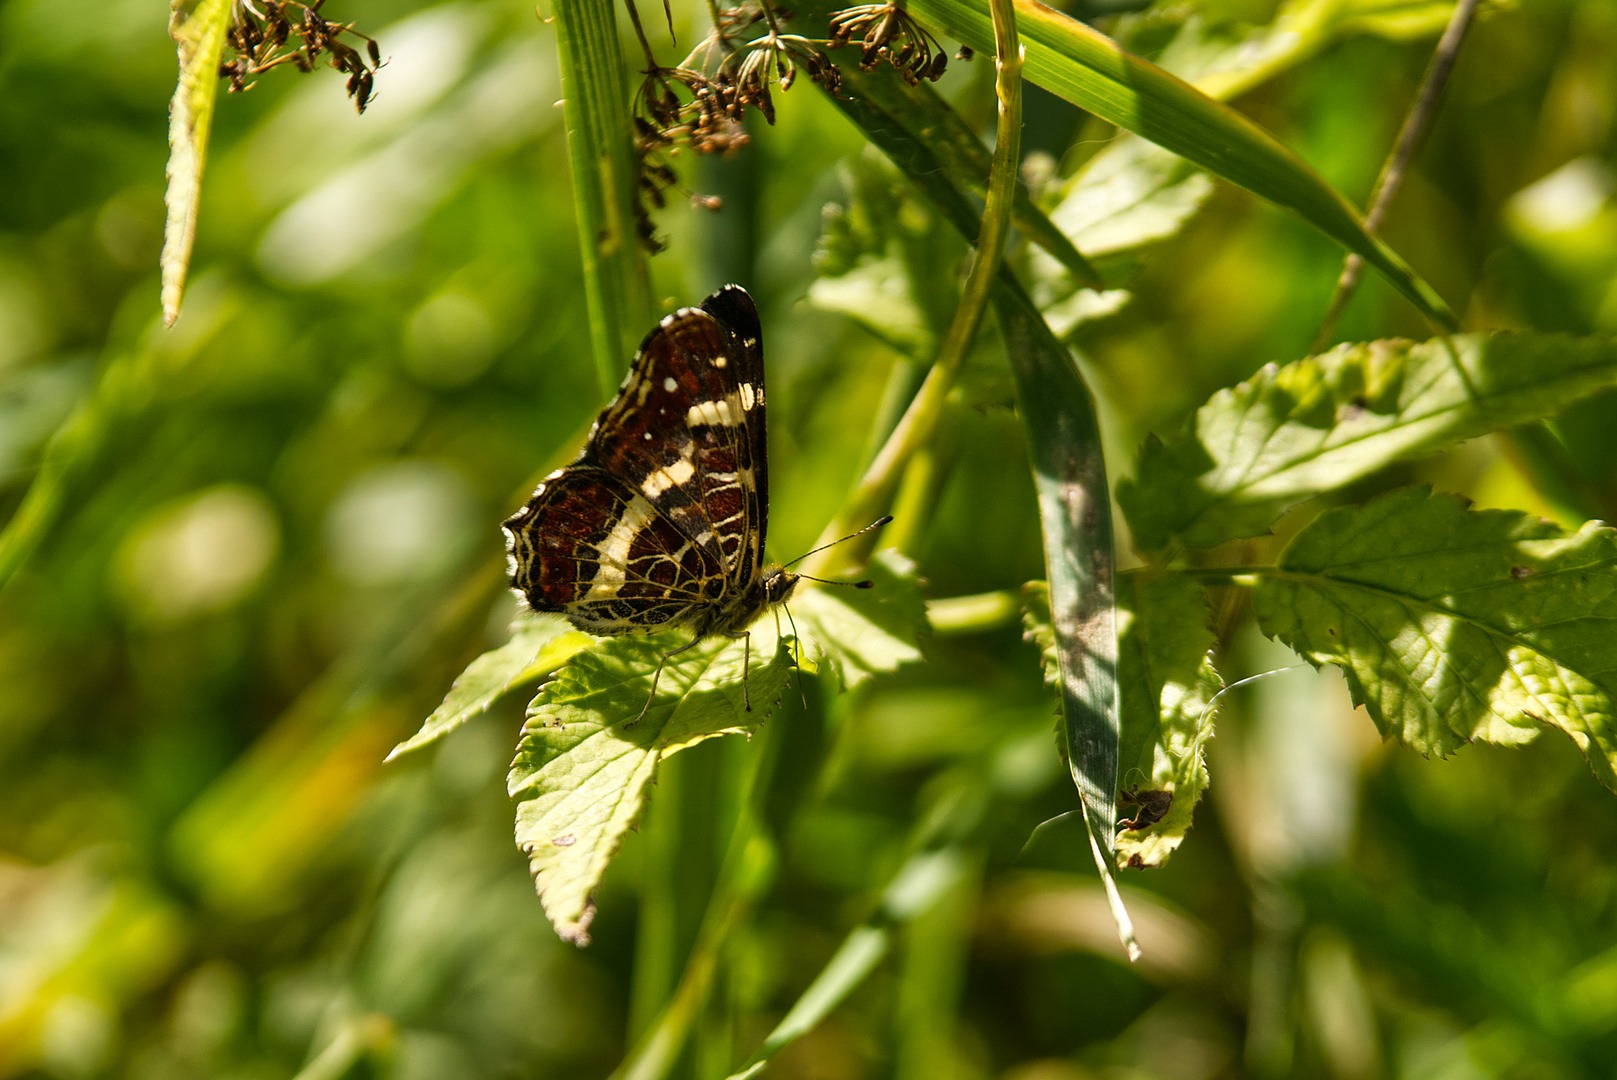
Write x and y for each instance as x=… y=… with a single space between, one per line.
x=1090 y=70
x=600 y=143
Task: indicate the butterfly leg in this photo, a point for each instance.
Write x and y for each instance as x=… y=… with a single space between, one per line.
x=656 y=675
x=746 y=662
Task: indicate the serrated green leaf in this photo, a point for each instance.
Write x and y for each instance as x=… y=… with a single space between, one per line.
x=858 y=633
x=1037 y=629
x=584 y=760
x=1291 y=432
x=1453 y=624
x=1166 y=684
x=1085 y=67
x=539 y=645
x=198 y=27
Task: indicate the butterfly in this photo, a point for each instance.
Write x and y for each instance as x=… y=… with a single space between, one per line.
x=660 y=521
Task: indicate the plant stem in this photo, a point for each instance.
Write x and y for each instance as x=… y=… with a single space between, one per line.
x=748 y=869
x=1410 y=136
x=874 y=492
x=974 y=614
x=600 y=143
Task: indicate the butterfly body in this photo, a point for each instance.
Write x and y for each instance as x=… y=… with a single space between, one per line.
x=660 y=522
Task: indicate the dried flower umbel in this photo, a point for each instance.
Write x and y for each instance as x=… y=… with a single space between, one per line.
x=888 y=32
x=260 y=31
x=700 y=104
x=709 y=124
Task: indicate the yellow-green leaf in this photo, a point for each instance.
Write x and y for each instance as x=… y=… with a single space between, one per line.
x=198 y=27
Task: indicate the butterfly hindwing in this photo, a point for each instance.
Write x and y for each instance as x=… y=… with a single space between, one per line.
x=591 y=548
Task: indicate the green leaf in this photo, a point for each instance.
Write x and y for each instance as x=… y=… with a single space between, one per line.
x=198 y=27
x=882 y=261
x=1038 y=629
x=1128 y=197
x=584 y=759
x=1301 y=29
x=966 y=162
x=1291 y=432
x=539 y=645
x=1167 y=685
x=1090 y=70
x=857 y=633
x=938 y=138
x=877 y=294
x=1453 y=625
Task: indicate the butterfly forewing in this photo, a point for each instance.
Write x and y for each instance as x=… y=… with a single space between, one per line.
x=661 y=520
x=738 y=321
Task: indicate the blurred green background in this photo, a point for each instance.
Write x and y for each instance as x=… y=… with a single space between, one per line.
x=274 y=544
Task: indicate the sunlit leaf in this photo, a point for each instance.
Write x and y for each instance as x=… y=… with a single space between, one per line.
x=1301 y=29
x=1166 y=688
x=1037 y=628
x=198 y=27
x=1455 y=625
x=539 y=645
x=587 y=753
x=1127 y=198
x=858 y=633
x=1292 y=432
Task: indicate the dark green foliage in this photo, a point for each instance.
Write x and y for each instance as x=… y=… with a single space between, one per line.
x=245 y=558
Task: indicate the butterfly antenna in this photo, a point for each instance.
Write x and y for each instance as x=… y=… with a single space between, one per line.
x=797 y=655
x=865 y=584
x=878 y=523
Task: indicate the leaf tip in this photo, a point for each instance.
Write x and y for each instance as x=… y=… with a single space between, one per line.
x=577 y=931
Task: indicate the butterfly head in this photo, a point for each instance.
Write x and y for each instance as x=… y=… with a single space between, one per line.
x=778 y=585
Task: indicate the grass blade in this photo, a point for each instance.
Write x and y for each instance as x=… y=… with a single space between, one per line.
x=198 y=29
x=875 y=490
x=1090 y=70
x=861 y=951
x=600 y=145
x=1070 y=475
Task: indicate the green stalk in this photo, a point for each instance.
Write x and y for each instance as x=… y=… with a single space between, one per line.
x=1069 y=472
x=982 y=612
x=875 y=491
x=600 y=142
x=748 y=869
